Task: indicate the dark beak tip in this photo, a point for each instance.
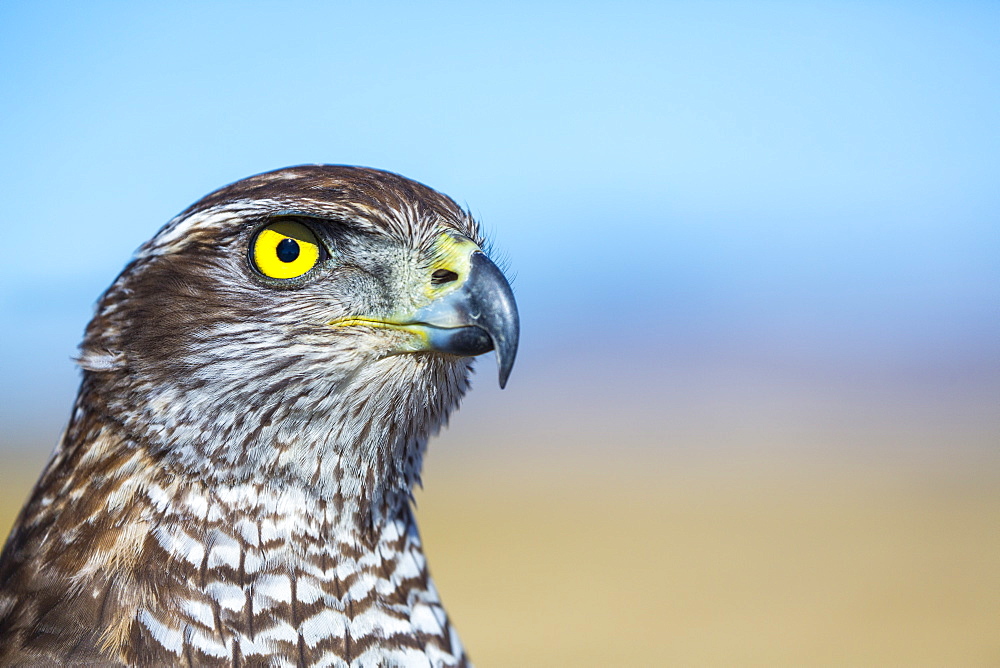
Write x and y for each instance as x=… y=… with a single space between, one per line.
x=506 y=352
x=499 y=316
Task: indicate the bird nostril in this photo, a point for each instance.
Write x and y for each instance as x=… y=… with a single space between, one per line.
x=442 y=276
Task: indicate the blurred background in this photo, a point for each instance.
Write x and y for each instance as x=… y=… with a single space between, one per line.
x=755 y=419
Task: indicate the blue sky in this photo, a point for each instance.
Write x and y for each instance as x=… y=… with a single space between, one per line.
x=816 y=182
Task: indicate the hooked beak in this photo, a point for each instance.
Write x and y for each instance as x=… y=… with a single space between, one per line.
x=477 y=317
x=472 y=315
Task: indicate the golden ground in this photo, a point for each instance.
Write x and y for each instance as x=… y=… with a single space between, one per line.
x=817 y=564
x=546 y=560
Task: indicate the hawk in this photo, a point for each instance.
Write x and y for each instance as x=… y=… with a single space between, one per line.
x=234 y=486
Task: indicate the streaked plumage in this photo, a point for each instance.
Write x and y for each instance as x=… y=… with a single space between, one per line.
x=234 y=484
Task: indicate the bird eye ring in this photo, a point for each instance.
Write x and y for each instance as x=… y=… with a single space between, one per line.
x=285 y=249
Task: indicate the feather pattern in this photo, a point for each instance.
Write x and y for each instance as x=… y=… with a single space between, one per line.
x=234 y=486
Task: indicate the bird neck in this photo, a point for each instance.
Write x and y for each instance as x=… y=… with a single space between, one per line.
x=361 y=459
x=230 y=563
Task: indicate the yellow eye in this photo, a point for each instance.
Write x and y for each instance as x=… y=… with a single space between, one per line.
x=285 y=249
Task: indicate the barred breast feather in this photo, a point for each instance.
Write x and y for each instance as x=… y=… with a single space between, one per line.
x=234 y=485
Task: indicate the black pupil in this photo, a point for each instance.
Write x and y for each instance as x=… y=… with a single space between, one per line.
x=288 y=250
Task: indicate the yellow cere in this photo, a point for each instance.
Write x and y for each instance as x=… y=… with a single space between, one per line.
x=451 y=252
x=285 y=249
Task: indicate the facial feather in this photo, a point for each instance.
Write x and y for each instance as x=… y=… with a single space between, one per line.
x=235 y=481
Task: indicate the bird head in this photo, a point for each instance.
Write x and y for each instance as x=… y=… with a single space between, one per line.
x=309 y=326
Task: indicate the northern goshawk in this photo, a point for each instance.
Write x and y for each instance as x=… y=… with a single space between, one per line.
x=259 y=384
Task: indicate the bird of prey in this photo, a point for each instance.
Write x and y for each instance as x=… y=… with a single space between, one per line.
x=259 y=384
